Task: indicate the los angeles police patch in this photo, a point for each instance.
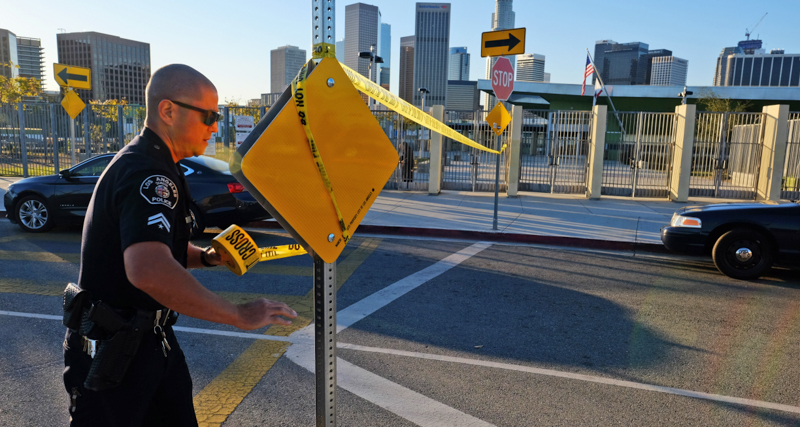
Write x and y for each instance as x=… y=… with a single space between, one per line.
x=159 y=190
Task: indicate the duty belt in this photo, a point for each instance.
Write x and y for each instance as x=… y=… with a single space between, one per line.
x=102 y=315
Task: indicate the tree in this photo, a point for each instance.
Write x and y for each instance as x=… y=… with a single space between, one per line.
x=13 y=89
x=710 y=101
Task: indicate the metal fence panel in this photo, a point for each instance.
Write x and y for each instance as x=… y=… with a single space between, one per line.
x=790 y=185
x=413 y=149
x=637 y=158
x=470 y=169
x=727 y=154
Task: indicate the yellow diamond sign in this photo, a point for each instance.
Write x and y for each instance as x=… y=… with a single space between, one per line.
x=72 y=104
x=279 y=168
x=498 y=118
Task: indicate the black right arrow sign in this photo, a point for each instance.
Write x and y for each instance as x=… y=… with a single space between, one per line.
x=511 y=41
x=503 y=42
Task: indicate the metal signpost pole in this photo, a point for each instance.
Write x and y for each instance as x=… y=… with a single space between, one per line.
x=72 y=139
x=496 y=183
x=323 y=26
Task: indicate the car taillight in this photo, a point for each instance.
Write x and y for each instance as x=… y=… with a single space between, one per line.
x=235 y=187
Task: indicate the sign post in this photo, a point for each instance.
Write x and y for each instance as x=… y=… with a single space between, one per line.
x=70 y=77
x=498 y=119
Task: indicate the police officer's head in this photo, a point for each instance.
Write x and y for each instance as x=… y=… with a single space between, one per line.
x=182 y=109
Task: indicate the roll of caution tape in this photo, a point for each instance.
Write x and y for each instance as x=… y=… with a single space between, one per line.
x=240 y=252
x=398 y=105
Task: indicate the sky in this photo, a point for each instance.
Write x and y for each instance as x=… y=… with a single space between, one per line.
x=229 y=41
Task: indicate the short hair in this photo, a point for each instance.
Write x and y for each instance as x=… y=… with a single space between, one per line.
x=174 y=81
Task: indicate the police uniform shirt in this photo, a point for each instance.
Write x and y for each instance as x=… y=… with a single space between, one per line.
x=142 y=196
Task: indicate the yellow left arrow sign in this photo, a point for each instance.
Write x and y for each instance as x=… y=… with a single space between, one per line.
x=72 y=76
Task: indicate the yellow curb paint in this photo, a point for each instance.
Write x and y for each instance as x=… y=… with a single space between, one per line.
x=40 y=256
x=217 y=401
x=30 y=287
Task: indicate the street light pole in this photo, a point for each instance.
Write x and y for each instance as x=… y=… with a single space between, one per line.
x=373 y=59
x=424 y=91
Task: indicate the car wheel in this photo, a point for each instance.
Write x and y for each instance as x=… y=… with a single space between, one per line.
x=33 y=215
x=198 y=224
x=743 y=254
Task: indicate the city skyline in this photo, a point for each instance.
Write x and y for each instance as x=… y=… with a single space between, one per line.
x=237 y=61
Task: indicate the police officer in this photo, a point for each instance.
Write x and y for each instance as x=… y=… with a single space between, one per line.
x=134 y=259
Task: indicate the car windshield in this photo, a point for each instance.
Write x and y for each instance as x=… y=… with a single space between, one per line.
x=214 y=164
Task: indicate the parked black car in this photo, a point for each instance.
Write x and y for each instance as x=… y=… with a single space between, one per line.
x=37 y=204
x=744 y=239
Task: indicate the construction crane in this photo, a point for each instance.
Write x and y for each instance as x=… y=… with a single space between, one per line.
x=748 y=32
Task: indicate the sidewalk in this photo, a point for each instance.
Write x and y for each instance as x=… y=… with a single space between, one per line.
x=559 y=219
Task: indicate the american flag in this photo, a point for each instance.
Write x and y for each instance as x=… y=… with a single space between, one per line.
x=586 y=73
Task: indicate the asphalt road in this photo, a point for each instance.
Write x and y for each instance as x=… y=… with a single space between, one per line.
x=497 y=335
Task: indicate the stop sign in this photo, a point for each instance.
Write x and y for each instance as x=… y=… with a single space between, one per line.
x=502 y=78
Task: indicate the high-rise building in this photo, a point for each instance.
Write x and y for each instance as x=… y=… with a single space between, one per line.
x=503 y=18
x=8 y=54
x=668 y=71
x=432 y=31
x=386 y=54
x=462 y=95
x=546 y=78
x=736 y=67
x=120 y=67
x=459 y=64
x=530 y=68
x=31 y=58
x=362 y=23
x=406 y=84
x=632 y=63
x=340 y=51
x=285 y=62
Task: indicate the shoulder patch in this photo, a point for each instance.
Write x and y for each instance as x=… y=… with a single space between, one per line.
x=159 y=190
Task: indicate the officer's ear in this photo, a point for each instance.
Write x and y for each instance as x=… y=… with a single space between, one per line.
x=166 y=111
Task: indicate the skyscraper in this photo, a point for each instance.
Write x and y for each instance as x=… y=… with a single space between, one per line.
x=503 y=18
x=362 y=24
x=530 y=68
x=432 y=31
x=459 y=64
x=386 y=54
x=340 y=51
x=8 y=54
x=749 y=65
x=31 y=58
x=668 y=71
x=120 y=67
x=285 y=62
x=406 y=84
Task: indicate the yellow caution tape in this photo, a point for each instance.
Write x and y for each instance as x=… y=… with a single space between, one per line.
x=323 y=50
x=298 y=92
x=240 y=252
x=398 y=105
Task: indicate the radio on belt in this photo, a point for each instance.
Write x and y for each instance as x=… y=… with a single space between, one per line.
x=276 y=165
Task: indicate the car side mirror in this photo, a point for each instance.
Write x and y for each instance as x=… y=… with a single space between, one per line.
x=65 y=173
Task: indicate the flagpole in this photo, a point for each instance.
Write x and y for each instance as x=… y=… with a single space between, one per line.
x=597 y=74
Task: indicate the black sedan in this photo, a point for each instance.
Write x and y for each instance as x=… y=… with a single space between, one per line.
x=39 y=203
x=744 y=239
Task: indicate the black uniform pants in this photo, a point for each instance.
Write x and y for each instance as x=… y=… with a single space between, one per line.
x=156 y=390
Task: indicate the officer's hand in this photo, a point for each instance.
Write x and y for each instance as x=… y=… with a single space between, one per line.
x=213 y=257
x=262 y=312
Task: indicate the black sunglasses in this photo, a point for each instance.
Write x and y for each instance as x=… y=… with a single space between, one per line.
x=211 y=116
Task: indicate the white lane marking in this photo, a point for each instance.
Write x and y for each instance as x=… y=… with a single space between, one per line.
x=352 y=314
x=305 y=340
x=393 y=397
x=579 y=377
x=31 y=315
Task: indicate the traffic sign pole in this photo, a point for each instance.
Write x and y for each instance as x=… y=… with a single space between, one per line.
x=72 y=139
x=496 y=184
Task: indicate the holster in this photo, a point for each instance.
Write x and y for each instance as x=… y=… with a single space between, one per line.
x=116 y=352
x=75 y=300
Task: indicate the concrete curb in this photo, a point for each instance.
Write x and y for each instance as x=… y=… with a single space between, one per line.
x=493 y=237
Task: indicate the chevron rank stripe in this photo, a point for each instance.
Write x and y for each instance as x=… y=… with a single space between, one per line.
x=159 y=219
